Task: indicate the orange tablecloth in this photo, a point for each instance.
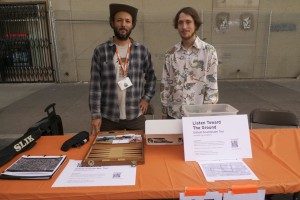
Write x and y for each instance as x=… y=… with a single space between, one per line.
x=165 y=173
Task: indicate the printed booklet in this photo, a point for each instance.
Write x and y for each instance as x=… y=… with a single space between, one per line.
x=33 y=167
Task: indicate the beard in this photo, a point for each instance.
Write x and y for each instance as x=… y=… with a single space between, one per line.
x=122 y=36
x=187 y=37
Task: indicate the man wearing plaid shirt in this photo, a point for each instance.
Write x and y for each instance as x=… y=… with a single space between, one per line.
x=122 y=77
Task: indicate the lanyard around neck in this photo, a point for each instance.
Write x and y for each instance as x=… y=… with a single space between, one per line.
x=124 y=65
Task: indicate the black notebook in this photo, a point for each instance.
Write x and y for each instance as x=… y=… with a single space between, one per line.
x=33 y=167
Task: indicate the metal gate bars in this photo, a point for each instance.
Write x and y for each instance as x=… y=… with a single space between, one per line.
x=25 y=52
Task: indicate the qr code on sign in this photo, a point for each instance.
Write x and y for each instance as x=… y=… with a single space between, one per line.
x=234 y=144
x=117 y=175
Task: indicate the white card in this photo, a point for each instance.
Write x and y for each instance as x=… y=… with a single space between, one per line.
x=260 y=195
x=207 y=196
x=216 y=137
x=124 y=83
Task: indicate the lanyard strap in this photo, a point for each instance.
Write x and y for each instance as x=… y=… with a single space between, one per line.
x=124 y=65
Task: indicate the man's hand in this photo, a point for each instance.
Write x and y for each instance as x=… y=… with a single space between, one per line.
x=95 y=126
x=144 y=105
x=164 y=116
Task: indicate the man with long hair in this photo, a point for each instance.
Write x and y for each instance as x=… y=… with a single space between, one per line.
x=190 y=71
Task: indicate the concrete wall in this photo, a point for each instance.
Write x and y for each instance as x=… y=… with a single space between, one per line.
x=265 y=46
x=81 y=25
x=277 y=50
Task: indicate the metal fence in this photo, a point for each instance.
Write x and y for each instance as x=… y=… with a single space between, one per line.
x=25 y=51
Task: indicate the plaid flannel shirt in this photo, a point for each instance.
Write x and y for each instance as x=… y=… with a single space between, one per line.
x=103 y=97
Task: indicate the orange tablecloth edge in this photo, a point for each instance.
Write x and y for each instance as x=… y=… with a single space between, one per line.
x=235 y=189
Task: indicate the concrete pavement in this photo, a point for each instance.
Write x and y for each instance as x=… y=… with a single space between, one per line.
x=21 y=105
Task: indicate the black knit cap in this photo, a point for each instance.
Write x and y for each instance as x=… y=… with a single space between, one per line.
x=114 y=8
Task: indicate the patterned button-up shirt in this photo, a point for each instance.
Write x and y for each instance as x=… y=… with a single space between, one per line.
x=103 y=97
x=189 y=77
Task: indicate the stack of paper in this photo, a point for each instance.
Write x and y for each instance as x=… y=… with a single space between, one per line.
x=33 y=167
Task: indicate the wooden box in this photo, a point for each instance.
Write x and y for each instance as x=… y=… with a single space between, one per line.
x=116 y=148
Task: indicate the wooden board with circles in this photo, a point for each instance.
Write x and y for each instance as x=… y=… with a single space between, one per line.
x=116 y=148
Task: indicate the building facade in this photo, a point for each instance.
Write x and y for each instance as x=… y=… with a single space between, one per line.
x=255 y=39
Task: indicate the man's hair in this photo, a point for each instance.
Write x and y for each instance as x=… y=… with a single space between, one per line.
x=188 y=11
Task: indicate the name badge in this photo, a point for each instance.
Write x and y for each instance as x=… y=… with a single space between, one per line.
x=124 y=83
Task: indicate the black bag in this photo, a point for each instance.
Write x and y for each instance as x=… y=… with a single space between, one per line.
x=50 y=125
x=76 y=141
x=24 y=143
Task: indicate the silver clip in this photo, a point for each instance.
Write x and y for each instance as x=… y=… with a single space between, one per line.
x=133 y=163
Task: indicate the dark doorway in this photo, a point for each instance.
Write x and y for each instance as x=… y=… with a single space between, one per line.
x=25 y=51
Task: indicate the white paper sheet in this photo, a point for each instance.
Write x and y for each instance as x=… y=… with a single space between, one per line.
x=260 y=195
x=75 y=176
x=226 y=170
x=216 y=137
x=207 y=196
